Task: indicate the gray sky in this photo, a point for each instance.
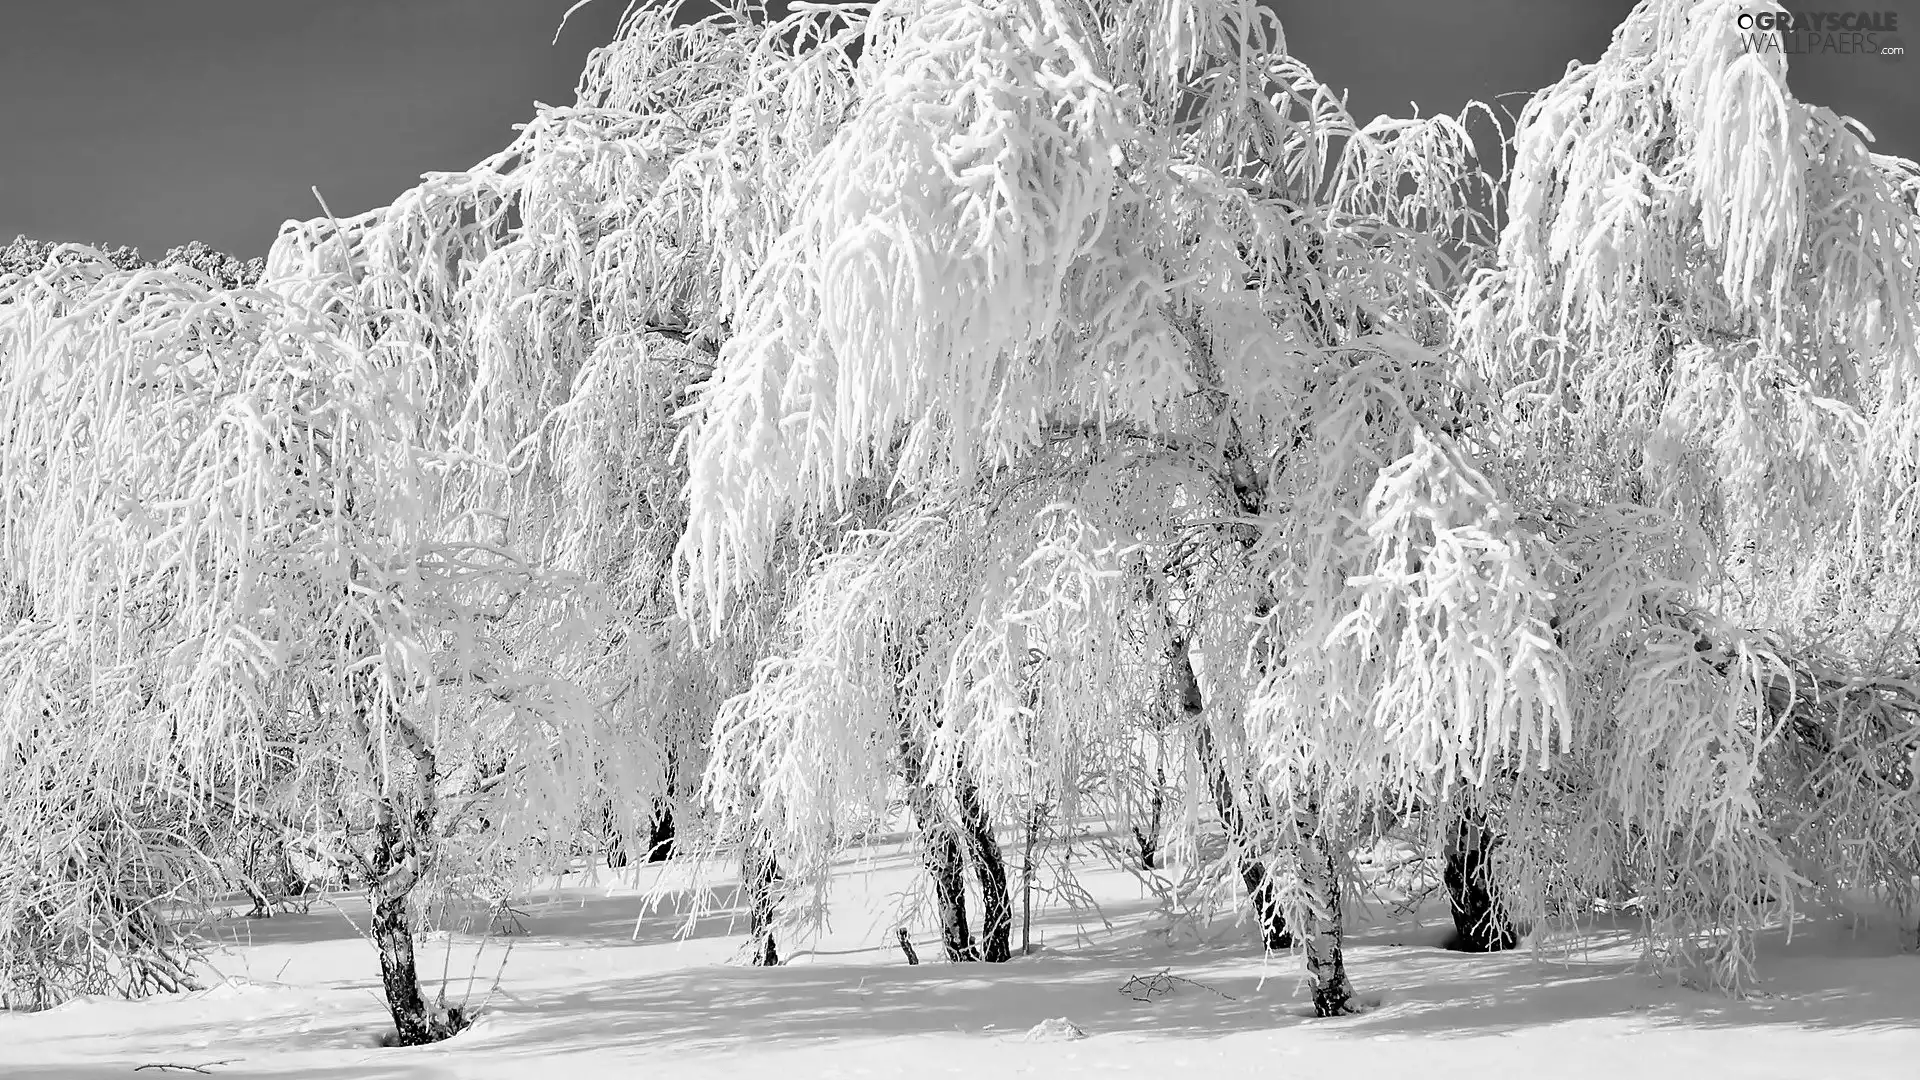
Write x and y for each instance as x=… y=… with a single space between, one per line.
x=155 y=122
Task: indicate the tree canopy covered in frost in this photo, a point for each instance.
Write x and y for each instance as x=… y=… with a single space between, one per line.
x=1026 y=412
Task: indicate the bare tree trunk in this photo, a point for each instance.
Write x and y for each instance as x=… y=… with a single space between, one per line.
x=948 y=868
x=250 y=881
x=660 y=837
x=996 y=903
x=415 y=1023
x=660 y=842
x=1034 y=820
x=616 y=843
x=1147 y=839
x=1478 y=926
x=762 y=874
x=940 y=850
x=1326 y=961
x=396 y=866
x=943 y=844
x=402 y=852
x=1261 y=890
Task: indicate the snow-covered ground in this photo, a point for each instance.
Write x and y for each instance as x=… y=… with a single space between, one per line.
x=594 y=991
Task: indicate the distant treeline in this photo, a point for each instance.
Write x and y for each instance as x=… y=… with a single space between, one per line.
x=25 y=255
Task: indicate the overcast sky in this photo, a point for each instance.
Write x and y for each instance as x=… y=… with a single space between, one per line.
x=155 y=122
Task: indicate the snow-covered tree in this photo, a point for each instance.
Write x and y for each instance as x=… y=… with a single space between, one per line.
x=1701 y=328
x=104 y=857
x=269 y=524
x=1143 y=242
x=1407 y=572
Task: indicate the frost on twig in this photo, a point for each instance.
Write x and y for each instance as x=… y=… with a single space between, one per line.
x=1160 y=984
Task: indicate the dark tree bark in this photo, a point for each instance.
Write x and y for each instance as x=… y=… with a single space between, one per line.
x=906 y=946
x=660 y=841
x=396 y=865
x=1478 y=925
x=945 y=844
x=940 y=849
x=948 y=868
x=402 y=853
x=1147 y=838
x=762 y=875
x=1261 y=889
x=996 y=901
x=415 y=1022
x=1262 y=897
x=660 y=837
x=1326 y=959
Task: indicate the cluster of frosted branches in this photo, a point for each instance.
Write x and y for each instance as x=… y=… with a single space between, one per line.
x=271 y=523
x=1705 y=292
x=102 y=855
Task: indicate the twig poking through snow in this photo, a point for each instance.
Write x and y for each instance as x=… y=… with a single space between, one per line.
x=1160 y=984
x=204 y=1068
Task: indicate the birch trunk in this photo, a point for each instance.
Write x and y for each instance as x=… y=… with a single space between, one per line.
x=761 y=875
x=397 y=864
x=1326 y=961
x=1477 y=924
x=940 y=850
x=402 y=852
x=1254 y=876
x=996 y=900
x=1146 y=836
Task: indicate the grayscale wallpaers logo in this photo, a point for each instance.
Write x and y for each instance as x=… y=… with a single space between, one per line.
x=1846 y=33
